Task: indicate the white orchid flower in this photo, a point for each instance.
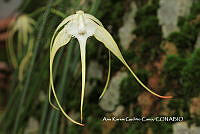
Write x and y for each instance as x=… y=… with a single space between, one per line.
x=82 y=26
x=22 y=28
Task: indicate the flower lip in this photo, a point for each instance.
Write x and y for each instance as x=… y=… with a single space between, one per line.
x=81 y=26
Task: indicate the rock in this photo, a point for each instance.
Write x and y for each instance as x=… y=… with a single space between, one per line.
x=94 y=72
x=170 y=48
x=154 y=81
x=111 y=97
x=42 y=96
x=8 y=7
x=168 y=29
x=119 y=110
x=32 y=127
x=195 y=106
x=181 y=128
x=108 y=126
x=184 y=7
x=170 y=11
x=194 y=129
x=126 y=31
x=145 y=101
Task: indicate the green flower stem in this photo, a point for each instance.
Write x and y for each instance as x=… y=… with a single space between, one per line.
x=95 y=6
x=35 y=88
x=9 y=115
x=24 y=5
x=11 y=102
x=17 y=122
x=9 y=105
x=58 y=13
x=51 y=118
x=52 y=10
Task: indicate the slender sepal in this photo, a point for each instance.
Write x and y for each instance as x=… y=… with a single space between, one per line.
x=82 y=43
x=108 y=77
x=104 y=36
x=61 y=39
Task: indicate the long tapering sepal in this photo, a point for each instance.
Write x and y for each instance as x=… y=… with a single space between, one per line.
x=104 y=36
x=61 y=39
x=82 y=43
x=108 y=77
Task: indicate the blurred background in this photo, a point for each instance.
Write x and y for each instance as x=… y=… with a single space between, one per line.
x=160 y=39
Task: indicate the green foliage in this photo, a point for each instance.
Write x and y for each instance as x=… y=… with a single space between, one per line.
x=148 y=26
x=173 y=67
x=195 y=8
x=146 y=11
x=71 y=129
x=182 y=41
x=114 y=9
x=185 y=39
x=150 y=51
x=191 y=75
x=134 y=128
x=129 y=55
x=147 y=21
x=95 y=125
x=162 y=127
x=186 y=73
x=150 y=31
x=181 y=106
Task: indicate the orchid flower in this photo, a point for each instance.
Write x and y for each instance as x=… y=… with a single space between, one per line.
x=82 y=26
x=22 y=29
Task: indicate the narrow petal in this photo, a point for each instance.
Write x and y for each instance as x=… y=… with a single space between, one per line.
x=64 y=22
x=60 y=40
x=82 y=43
x=108 y=77
x=94 y=19
x=103 y=36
